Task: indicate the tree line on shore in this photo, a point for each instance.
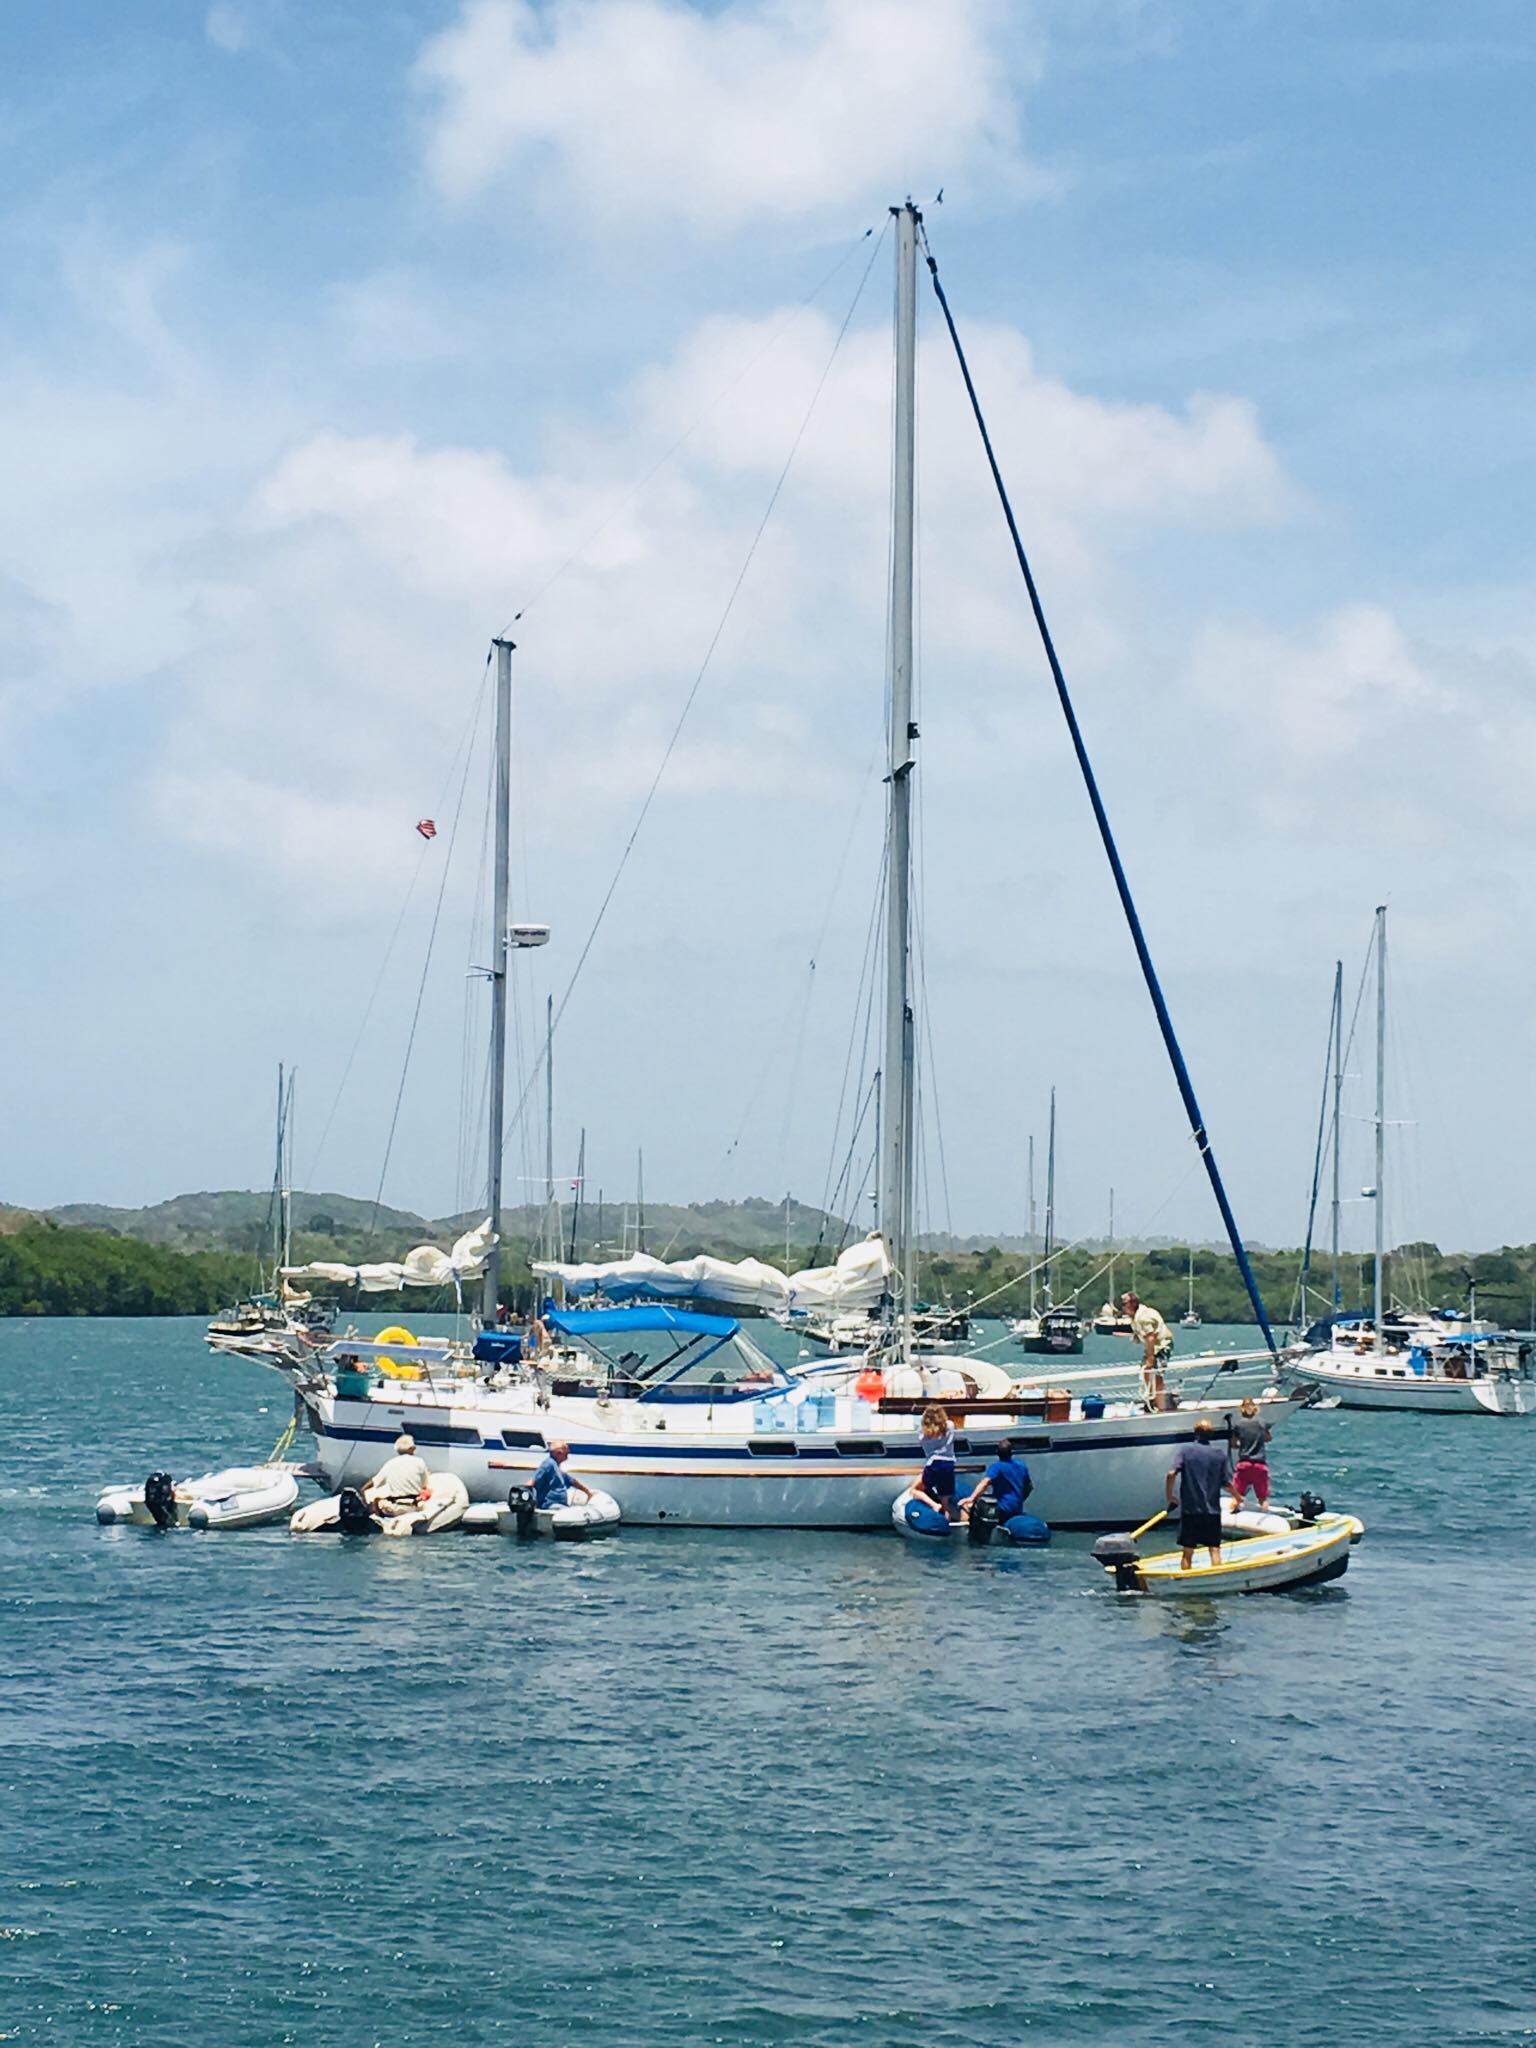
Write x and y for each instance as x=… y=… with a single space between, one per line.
x=50 y=1270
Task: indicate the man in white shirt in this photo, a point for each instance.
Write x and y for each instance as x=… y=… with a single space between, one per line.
x=1156 y=1340
x=400 y=1483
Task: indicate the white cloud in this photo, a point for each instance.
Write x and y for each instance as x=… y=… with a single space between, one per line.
x=227 y=28
x=773 y=109
x=1359 y=736
x=349 y=604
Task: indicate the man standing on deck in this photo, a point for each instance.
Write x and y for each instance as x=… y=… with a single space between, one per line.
x=1200 y=1472
x=1156 y=1341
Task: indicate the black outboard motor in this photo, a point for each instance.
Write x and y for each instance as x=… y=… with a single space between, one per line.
x=354 y=1516
x=1119 y=1555
x=1310 y=1506
x=160 y=1499
x=983 y=1521
x=520 y=1501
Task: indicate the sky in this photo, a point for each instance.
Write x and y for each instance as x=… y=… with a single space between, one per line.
x=333 y=338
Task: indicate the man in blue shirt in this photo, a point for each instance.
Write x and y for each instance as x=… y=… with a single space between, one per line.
x=552 y=1484
x=1007 y=1481
x=1197 y=1478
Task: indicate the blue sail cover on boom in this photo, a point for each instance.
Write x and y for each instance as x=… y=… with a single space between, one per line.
x=655 y=1315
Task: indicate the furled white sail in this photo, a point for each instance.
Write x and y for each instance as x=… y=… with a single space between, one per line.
x=857 y=1280
x=426 y=1265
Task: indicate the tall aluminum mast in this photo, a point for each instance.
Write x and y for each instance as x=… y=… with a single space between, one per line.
x=1034 y=1262
x=551 y=1213
x=1050 y=1199
x=1381 y=1104
x=498 y=973
x=1338 y=1088
x=896 y=1137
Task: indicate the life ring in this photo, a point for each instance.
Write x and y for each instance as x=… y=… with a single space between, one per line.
x=392 y=1368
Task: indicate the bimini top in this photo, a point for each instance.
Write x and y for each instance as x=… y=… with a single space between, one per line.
x=645 y=1315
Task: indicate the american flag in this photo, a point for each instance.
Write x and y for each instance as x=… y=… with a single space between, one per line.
x=426 y=828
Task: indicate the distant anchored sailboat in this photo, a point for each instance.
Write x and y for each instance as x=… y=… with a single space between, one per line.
x=1433 y=1360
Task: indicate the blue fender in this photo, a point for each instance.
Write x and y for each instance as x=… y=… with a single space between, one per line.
x=922 y=1520
x=1026 y=1529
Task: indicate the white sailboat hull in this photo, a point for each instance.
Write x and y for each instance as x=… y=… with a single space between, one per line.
x=1088 y=1474
x=1368 y=1384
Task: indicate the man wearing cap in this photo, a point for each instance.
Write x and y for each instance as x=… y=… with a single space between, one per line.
x=398 y=1485
x=1197 y=1478
x=1156 y=1341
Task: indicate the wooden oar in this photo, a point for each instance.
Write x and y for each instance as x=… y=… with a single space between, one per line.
x=1150 y=1525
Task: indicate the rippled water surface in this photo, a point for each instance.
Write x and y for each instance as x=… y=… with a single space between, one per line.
x=688 y=1788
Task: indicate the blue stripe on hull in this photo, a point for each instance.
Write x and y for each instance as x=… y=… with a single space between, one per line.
x=607 y=1447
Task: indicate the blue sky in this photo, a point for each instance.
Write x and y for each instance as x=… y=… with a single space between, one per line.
x=332 y=333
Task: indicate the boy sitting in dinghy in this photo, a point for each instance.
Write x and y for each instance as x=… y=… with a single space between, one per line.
x=1008 y=1482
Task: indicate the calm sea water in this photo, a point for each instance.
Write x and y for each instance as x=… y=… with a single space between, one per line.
x=687 y=1788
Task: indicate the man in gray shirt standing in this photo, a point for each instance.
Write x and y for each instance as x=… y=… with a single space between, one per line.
x=1200 y=1472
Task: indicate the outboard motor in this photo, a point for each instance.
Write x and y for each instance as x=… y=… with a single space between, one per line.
x=984 y=1518
x=1119 y=1555
x=520 y=1501
x=1310 y=1506
x=354 y=1516
x=160 y=1499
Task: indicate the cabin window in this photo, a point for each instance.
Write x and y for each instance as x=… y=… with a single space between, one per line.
x=523 y=1439
x=440 y=1434
x=771 y=1446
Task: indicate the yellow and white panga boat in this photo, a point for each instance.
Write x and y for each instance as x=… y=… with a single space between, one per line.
x=1310 y=1548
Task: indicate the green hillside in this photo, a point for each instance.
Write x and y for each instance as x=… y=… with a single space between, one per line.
x=198 y=1252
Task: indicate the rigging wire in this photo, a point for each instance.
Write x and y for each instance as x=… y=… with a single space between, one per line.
x=858 y=1038
x=696 y=685
x=466 y=740
x=1299 y=1298
x=421 y=989
x=623 y=503
x=1101 y=818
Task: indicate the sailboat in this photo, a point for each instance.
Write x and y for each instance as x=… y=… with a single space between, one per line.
x=279 y=1319
x=1051 y=1331
x=1432 y=1360
x=1190 y=1320
x=673 y=1409
x=1112 y=1320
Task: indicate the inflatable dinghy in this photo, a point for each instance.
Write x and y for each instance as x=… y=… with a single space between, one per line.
x=441 y=1507
x=576 y=1522
x=914 y=1518
x=244 y=1497
x=1310 y=1552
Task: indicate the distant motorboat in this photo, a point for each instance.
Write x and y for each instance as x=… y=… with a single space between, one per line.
x=1054 y=1333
